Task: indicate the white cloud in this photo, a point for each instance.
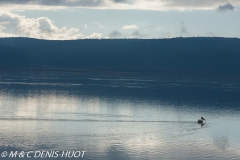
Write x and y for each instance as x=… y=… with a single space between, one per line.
x=2 y=34
x=42 y=27
x=130 y=26
x=158 y=28
x=95 y=36
x=99 y=25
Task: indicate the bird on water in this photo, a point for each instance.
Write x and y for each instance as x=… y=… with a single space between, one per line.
x=201 y=120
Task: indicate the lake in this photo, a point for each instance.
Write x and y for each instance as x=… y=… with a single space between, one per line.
x=118 y=117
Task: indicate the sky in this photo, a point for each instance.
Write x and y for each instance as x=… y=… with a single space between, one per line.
x=146 y=19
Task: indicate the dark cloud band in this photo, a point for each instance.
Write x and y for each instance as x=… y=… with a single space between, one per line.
x=87 y=3
x=134 y=4
x=226 y=7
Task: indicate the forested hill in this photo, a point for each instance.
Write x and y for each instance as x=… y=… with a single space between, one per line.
x=176 y=55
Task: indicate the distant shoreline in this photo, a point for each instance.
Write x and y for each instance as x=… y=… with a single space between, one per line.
x=175 y=74
x=196 y=56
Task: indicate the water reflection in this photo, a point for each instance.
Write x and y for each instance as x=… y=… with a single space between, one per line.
x=120 y=117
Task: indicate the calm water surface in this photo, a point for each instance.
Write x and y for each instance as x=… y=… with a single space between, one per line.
x=114 y=117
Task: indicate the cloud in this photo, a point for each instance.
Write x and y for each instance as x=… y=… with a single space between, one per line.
x=120 y=1
x=115 y=34
x=158 y=28
x=137 y=34
x=116 y=4
x=148 y=27
x=95 y=36
x=183 y=28
x=99 y=25
x=15 y=25
x=197 y=4
x=130 y=26
x=211 y=34
x=167 y=34
x=225 y=7
x=54 y=2
x=85 y=26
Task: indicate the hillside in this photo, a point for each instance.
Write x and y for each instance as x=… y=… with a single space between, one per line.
x=177 y=55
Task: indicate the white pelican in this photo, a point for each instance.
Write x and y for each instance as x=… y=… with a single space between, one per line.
x=201 y=120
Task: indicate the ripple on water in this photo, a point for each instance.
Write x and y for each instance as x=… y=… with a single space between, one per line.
x=137 y=121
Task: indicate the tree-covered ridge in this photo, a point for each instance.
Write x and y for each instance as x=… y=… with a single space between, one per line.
x=124 y=55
